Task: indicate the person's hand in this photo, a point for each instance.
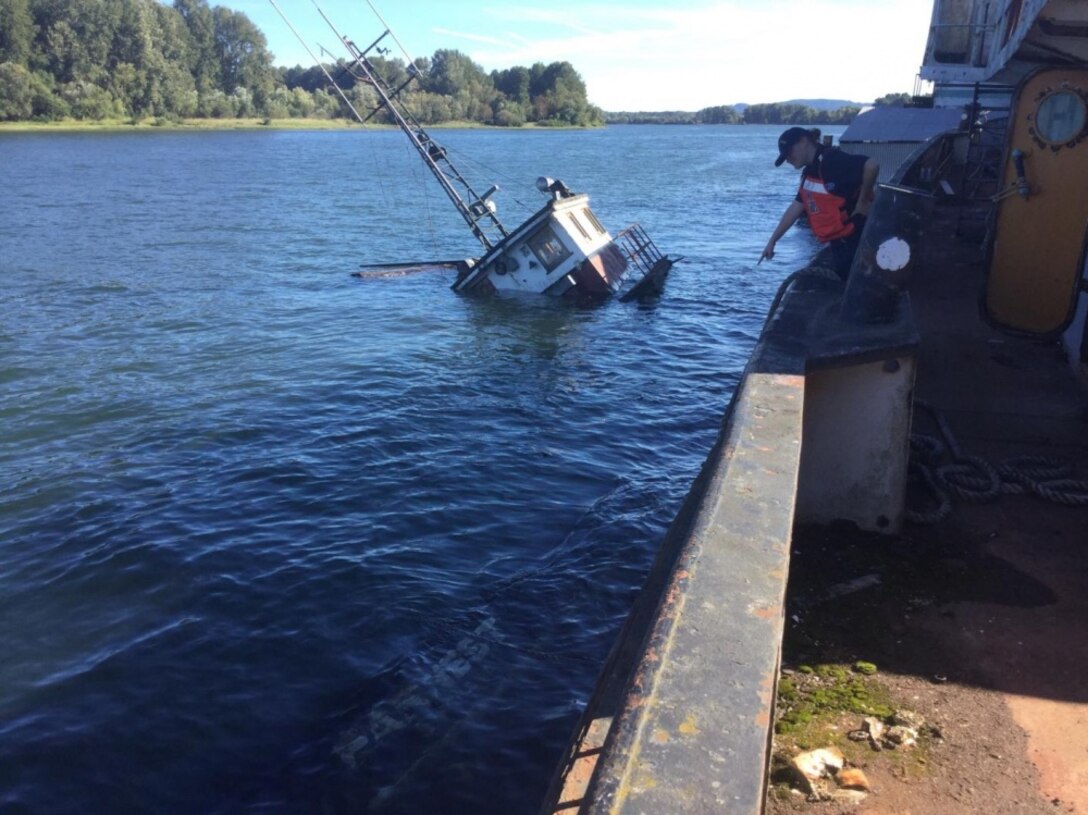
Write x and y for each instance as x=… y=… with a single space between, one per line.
x=768 y=253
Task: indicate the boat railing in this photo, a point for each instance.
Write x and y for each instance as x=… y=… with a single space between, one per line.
x=637 y=247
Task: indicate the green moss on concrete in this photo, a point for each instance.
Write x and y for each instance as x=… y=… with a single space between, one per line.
x=829 y=690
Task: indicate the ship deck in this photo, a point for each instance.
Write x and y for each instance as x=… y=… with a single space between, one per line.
x=980 y=620
x=977 y=621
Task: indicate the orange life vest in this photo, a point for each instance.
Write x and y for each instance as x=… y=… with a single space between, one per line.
x=826 y=211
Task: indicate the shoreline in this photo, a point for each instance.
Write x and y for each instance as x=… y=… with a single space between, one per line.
x=253 y=123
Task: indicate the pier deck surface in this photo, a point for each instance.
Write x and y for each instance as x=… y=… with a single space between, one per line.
x=980 y=621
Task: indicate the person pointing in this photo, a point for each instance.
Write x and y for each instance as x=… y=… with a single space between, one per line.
x=835 y=195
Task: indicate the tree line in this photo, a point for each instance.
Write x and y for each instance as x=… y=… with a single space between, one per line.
x=139 y=59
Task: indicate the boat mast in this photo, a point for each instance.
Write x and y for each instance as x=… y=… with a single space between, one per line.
x=477 y=210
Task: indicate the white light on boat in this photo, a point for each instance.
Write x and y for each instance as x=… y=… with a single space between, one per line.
x=893 y=254
x=554 y=186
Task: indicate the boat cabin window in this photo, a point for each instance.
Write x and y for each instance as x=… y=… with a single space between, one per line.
x=578 y=225
x=549 y=248
x=1060 y=117
x=593 y=220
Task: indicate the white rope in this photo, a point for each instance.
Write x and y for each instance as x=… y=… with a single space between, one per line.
x=973 y=479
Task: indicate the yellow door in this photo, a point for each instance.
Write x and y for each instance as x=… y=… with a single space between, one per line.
x=1042 y=215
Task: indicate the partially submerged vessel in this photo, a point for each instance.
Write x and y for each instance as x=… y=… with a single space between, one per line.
x=563 y=249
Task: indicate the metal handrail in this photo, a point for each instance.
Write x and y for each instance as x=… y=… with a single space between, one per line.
x=638 y=248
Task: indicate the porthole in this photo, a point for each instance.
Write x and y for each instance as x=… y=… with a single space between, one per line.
x=1060 y=117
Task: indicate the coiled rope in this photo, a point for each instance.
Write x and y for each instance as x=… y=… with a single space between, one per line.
x=946 y=471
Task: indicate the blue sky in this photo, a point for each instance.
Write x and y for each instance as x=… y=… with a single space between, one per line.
x=640 y=55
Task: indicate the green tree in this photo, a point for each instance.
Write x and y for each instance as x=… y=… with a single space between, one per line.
x=135 y=62
x=312 y=78
x=79 y=43
x=429 y=108
x=137 y=58
x=303 y=104
x=364 y=99
x=509 y=113
x=718 y=115
x=89 y=101
x=513 y=83
x=394 y=70
x=558 y=95
x=16 y=97
x=454 y=74
x=203 y=63
x=242 y=54
x=16 y=32
x=781 y=113
x=174 y=87
x=47 y=103
x=894 y=100
x=326 y=105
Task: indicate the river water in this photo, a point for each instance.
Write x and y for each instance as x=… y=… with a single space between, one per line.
x=274 y=538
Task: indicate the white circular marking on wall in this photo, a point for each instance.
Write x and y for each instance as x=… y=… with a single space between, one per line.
x=893 y=254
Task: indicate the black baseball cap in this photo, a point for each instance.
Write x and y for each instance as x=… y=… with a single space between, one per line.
x=786 y=142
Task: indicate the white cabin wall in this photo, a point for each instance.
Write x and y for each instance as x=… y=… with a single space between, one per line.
x=589 y=243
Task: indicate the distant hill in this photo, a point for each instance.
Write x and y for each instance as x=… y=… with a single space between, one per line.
x=825 y=104
x=818 y=104
x=795 y=111
x=739 y=107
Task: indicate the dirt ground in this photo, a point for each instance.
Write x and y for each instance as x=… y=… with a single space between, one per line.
x=978 y=625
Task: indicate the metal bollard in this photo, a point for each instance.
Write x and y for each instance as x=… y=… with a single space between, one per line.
x=885 y=253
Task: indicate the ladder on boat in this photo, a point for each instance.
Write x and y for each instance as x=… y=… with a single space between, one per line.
x=640 y=251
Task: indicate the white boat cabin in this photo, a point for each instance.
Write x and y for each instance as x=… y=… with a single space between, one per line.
x=562 y=249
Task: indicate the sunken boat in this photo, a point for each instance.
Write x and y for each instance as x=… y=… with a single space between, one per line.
x=562 y=249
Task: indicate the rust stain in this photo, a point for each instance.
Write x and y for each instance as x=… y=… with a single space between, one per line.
x=765 y=612
x=676 y=588
x=597 y=732
x=577 y=782
x=661 y=736
x=766 y=696
x=580 y=772
x=766 y=689
x=689 y=726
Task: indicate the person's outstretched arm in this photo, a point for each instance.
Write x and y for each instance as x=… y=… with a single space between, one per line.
x=794 y=211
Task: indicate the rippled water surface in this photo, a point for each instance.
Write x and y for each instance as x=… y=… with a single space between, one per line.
x=277 y=539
